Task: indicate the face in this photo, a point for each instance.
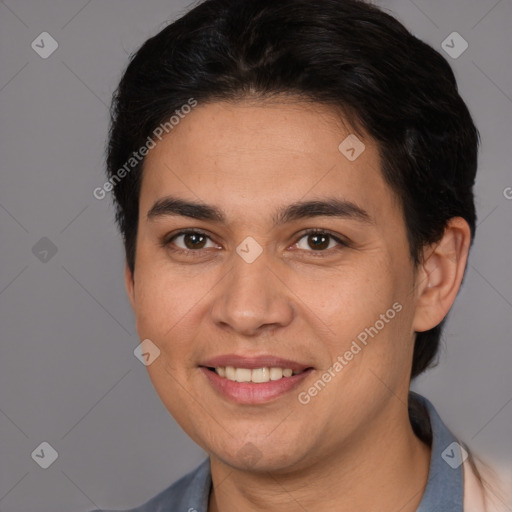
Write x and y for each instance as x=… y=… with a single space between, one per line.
x=293 y=258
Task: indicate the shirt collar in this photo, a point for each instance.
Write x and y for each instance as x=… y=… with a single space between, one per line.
x=445 y=488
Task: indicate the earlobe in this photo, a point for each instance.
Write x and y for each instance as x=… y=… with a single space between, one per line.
x=129 y=284
x=440 y=275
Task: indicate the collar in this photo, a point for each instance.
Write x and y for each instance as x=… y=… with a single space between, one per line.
x=445 y=488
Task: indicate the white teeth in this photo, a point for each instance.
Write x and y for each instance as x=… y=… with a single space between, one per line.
x=243 y=375
x=230 y=373
x=276 y=373
x=258 y=375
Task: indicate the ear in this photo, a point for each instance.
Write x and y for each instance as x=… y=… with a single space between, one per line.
x=439 y=276
x=130 y=284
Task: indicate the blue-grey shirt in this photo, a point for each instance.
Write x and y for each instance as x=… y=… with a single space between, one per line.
x=443 y=493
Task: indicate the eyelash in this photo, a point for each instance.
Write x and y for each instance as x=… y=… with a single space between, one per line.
x=166 y=242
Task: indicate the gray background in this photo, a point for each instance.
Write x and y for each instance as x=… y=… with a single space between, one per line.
x=68 y=375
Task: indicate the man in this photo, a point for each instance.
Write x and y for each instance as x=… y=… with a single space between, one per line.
x=293 y=246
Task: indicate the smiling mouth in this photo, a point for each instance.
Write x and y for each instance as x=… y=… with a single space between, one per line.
x=255 y=375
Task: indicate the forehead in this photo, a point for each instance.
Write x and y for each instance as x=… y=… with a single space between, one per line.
x=253 y=155
x=260 y=127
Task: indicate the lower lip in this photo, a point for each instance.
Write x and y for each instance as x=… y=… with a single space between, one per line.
x=251 y=392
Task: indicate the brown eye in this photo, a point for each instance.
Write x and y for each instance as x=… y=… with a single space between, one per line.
x=319 y=241
x=188 y=241
x=194 y=240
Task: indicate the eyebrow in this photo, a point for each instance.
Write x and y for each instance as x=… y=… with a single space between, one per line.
x=329 y=207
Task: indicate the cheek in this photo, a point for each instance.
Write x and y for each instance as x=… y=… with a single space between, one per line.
x=170 y=306
x=369 y=316
x=348 y=299
x=161 y=295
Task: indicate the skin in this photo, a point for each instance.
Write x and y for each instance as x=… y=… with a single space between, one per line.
x=249 y=158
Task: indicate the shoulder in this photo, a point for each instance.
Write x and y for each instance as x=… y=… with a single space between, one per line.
x=190 y=491
x=485 y=488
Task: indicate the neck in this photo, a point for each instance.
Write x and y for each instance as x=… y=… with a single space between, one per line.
x=384 y=467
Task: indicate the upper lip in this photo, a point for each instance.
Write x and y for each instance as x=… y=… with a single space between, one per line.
x=252 y=362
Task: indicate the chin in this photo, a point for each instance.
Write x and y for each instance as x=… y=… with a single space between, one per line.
x=261 y=457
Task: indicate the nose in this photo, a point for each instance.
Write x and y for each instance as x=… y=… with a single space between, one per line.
x=253 y=298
